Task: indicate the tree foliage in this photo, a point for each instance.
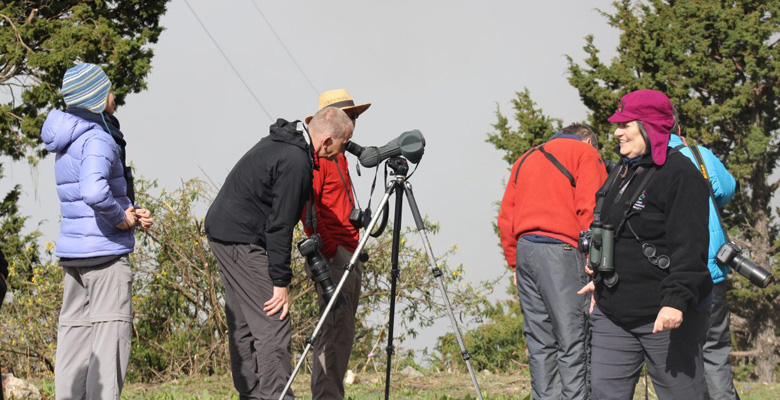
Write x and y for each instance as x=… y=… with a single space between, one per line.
x=40 y=40
x=178 y=306
x=498 y=345
x=719 y=62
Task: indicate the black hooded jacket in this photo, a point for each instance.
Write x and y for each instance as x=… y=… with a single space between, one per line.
x=263 y=197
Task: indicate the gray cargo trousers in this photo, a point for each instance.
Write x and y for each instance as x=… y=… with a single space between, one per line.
x=94 y=333
x=555 y=320
x=259 y=344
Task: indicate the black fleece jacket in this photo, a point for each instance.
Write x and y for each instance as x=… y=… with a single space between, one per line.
x=671 y=213
x=263 y=197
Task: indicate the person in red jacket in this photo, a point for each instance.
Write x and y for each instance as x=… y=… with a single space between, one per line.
x=548 y=200
x=334 y=200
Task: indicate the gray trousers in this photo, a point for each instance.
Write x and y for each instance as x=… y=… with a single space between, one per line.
x=673 y=358
x=259 y=345
x=95 y=329
x=717 y=365
x=555 y=322
x=334 y=341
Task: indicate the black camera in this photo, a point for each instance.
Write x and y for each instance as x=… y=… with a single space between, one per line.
x=729 y=255
x=598 y=243
x=360 y=218
x=320 y=268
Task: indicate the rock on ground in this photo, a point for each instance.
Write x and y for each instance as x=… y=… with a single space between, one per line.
x=15 y=388
x=410 y=371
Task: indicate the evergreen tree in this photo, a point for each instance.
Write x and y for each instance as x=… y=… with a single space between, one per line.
x=719 y=62
x=40 y=40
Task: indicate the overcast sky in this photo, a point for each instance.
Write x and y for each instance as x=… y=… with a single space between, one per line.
x=438 y=66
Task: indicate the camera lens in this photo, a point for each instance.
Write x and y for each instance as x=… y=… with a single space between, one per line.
x=320 y=269
x=752 y=271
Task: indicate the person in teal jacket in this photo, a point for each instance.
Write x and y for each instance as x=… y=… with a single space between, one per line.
x=717 y=346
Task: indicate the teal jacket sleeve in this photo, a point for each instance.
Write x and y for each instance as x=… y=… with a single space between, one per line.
x=723 y=184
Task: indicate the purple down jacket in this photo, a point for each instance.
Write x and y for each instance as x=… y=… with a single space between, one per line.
x=91 y=187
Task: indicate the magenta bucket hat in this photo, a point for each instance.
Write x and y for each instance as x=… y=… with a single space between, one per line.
x=654 y=109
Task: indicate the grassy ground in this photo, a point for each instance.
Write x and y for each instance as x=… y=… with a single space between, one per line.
x=437 y=386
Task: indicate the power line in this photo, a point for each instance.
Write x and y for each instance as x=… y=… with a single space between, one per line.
x=228 y=60
x=267 y=22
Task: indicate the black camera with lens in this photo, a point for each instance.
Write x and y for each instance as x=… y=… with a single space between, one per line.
x=729 y=255
x=360 y=218
x=598 y=243
x=320 y=268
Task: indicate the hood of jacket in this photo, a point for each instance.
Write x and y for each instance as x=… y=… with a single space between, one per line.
x=61 y=129
x=286 y=132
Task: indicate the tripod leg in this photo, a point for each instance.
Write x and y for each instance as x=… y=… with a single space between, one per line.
x=394 y=279
x=310 y=340
x=437 y=274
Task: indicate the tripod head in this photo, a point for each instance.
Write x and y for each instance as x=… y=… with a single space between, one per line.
x=399 y=165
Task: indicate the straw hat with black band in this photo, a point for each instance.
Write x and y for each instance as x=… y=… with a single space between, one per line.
x=341 y=99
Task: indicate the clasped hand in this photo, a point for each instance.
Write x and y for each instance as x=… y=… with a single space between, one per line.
x=136 y=217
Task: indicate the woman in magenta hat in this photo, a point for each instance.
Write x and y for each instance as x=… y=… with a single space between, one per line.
x=652 y=285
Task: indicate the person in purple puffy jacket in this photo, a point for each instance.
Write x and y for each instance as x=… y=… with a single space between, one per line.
x=94 y=186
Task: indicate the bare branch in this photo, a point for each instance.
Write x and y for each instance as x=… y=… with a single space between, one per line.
x=16 y=31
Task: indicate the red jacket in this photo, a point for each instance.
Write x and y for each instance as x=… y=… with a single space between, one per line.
x=542 y=201
x=333 y=202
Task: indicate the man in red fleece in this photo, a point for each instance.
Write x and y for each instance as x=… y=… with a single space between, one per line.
x=548 y=200
x=334 y=200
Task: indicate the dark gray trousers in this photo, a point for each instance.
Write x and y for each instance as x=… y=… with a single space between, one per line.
x=673 y=358
x=717 y=365
x=555 y=321
x=259 y=344
x=334 y=341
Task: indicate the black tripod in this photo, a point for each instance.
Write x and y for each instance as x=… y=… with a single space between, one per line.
x=399 y=186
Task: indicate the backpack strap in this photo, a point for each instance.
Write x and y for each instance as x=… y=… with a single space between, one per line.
x=523 y=160
x=703 y=169
x=552 y=159
x=560 y=166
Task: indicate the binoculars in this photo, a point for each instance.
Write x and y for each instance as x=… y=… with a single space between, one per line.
x=599 y=243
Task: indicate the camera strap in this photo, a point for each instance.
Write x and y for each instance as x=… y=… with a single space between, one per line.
x=552 y=159
x=630 y=201
x=602 y=193
x=703 y=169
x=311 y=211
x=350 y=194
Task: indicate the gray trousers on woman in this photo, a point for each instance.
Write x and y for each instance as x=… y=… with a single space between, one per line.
x=555 y=321
x=95 y=329
x=673 y=358
x=259 y=344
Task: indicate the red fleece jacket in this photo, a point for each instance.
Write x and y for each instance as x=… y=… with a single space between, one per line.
x=542 y=201
x=333 y=201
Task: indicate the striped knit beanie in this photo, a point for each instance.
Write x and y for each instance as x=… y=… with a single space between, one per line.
x=86 y=86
